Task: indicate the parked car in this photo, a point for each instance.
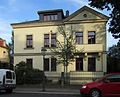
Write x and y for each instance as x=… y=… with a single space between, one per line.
x=7 y=80
x=109 y=85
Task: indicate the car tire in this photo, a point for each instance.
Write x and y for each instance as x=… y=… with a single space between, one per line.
x=9 y=90
x=95 y=93
x=83 y=95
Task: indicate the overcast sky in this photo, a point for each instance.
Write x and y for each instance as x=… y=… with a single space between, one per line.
x=13 y=11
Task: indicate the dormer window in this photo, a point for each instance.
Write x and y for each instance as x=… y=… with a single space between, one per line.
x=50 y=17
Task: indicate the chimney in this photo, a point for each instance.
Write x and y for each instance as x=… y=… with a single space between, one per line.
x=67 y=13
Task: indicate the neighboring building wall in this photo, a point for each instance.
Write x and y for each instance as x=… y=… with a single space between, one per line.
x=4 y=54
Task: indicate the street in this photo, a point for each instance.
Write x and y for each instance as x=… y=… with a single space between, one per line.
x=36 y=95
x=50 y=91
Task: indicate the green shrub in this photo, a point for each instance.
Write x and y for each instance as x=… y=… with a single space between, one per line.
x=34 y=76
x=26 y=75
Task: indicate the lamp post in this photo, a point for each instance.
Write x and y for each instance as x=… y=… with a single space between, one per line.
x=43 y=50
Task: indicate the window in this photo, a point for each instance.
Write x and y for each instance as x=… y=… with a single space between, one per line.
x=53 y=64
x=91 y=64
x=46 y=40
x=46 y=64
x=29 y=63
x=53 y=40
x=48 y=17
x=79 y=64
x=9 y=75
x=114 y=78
x=29 y=41
x=84 y=15
x=79 y=37
x=91 y=37
x=13 y=75
x=54 y=17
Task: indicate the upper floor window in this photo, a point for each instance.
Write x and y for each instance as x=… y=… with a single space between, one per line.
x=91 y=37
x=46 y=40
x=53 y=40
x=54 y=17
x=79 y=37
x=48 y=17
x=50 y=40
x=29 y=41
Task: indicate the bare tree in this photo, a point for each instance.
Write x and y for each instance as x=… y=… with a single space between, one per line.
x=66 y=49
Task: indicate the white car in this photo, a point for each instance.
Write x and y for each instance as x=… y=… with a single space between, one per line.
x=7 y=80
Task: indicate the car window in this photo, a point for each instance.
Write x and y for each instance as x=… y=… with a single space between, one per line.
x=114 y=78
x=13 y=75
x=9 y=75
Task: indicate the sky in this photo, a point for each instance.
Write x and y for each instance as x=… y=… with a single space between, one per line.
x=15 y=11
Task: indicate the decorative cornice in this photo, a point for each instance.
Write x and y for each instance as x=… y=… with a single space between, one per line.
x=85 y=21
x=47 y=53
x=32 y=54
x=36 y=24
x=44 y=24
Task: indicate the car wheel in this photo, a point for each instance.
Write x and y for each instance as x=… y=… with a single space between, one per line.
x=95 y=93
x=9 y=90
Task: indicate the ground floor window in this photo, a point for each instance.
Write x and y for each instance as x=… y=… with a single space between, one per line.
x=49 y=64
x=79 y=64
x=53 y=64
x=46 y=64
x=29 y=63
x=91 y=64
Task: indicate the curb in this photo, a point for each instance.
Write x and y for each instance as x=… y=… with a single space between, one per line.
x=46 y=92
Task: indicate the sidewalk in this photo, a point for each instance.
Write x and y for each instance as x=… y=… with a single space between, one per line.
x=49 y=89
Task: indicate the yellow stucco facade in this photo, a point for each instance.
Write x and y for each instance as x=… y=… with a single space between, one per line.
x=4 y=56
x=93 y=22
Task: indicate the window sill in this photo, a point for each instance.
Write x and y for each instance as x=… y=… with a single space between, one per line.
x=50 y=47
x=80 y=44
x=88 y=44
x=91 y=43
x=29 y=48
